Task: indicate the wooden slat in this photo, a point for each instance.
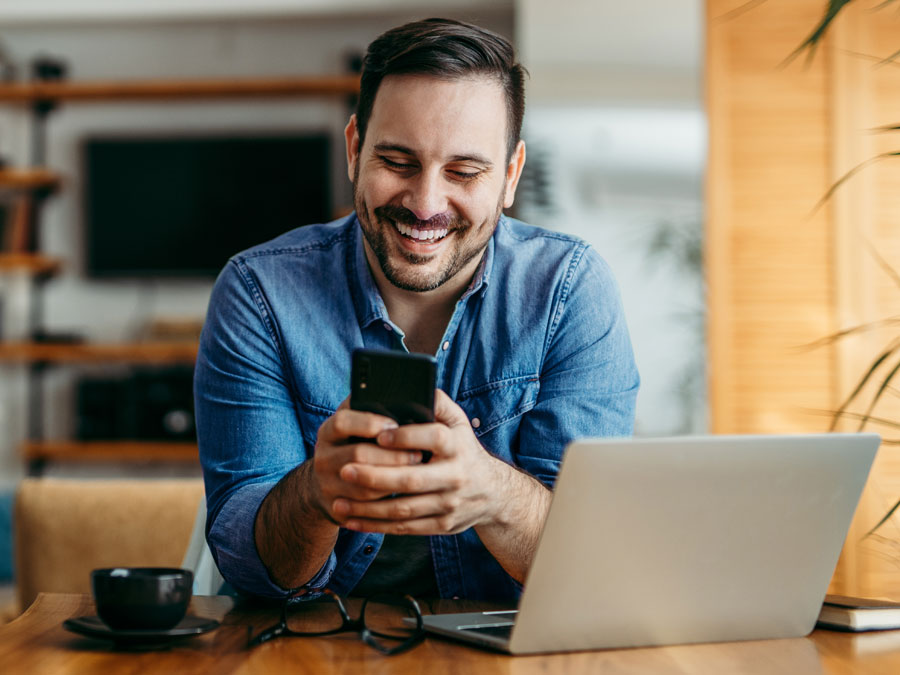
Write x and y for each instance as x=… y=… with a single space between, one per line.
x=259 y=87
x=30 y=263
x=28 y=179
x=149 y=352
x=109 y=451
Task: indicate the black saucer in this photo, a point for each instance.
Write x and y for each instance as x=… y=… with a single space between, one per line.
x=92 y=626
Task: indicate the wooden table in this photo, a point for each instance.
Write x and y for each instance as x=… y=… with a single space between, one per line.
x=36 y=642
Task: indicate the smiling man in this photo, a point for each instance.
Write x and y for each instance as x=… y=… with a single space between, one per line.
x=526 y=326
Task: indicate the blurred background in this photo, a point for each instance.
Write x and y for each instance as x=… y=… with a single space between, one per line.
x=616 y=147
x=614 y=128
x=675 y=136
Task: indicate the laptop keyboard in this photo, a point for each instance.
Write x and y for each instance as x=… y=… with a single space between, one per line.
x=503 y=631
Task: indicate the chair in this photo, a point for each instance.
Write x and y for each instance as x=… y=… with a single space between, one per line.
x=66 y=528
x=207 y=578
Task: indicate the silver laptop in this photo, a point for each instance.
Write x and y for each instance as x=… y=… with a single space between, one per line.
x=679 y=540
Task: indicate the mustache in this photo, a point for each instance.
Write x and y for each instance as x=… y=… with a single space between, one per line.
x=400 y=214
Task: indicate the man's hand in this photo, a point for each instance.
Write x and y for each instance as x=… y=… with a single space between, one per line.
x=462 y=486
x=296 y=528
x=351 y=482
x=459 y=488
x=344 y=439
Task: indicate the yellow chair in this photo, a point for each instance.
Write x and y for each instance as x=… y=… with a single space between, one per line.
x=65 y=528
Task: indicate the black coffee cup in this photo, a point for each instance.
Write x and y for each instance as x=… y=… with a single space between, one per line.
x=142 y=598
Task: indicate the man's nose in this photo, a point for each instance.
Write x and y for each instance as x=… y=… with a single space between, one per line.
x=426 y=196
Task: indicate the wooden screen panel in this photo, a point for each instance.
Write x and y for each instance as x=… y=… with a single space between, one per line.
x=768 y=259
x=780 y=278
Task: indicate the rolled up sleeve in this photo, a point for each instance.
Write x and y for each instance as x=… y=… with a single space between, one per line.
x=247 y=427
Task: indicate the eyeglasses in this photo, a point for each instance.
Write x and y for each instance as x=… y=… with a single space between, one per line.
x=389 y=624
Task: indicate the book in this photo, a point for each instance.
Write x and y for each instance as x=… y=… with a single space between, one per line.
x=842 y=612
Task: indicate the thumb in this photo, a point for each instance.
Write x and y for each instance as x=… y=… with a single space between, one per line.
x=446 y=411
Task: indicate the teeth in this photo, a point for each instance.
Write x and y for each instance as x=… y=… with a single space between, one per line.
x=421 y=235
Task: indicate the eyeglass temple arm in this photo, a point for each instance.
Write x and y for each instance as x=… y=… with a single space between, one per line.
x=268 y=634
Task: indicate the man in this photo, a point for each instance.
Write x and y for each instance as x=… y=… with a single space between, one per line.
x=525 y=324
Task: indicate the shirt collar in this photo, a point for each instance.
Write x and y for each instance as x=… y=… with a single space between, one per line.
x=366 y=296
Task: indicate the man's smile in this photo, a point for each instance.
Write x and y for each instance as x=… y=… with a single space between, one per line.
x=430 y=235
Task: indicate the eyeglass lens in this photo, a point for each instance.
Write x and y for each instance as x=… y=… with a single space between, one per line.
x=382 y=621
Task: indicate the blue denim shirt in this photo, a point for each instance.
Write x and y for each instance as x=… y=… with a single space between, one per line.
x=536 y=353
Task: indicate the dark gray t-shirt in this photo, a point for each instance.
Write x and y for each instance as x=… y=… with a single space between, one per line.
x=403 y=566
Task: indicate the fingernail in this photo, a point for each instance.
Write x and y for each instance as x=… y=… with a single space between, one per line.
x=415 y=458
x=341 y=506
x=349 y=473
x=385 y=438
x=390 y=424
x=351 y=525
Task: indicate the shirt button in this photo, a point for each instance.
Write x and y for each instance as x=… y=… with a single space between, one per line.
x=446 y=345
x=476 y=422
x=368 y=549
x=456 y=597
x=387 y=327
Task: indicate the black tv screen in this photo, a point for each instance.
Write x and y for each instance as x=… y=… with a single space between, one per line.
x=180 y=206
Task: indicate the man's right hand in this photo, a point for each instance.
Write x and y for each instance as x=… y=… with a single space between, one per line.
x=342 y=439
x=296 y=527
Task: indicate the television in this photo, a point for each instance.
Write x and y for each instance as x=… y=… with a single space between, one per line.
x=180 y=206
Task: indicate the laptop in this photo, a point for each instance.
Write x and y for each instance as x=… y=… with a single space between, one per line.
x=682 y=540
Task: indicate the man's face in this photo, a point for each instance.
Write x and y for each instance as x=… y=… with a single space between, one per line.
x=431 y=178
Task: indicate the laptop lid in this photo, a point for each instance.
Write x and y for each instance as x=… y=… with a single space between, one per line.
x=690 y=539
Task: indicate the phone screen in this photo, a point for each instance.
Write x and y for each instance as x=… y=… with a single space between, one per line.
x=398 y=385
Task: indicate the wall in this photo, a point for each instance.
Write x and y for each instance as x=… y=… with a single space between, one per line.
x=94 y=49
x=613 y=104
x=615 y=114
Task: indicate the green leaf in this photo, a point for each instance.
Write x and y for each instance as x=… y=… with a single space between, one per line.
x=884 y=356
x=812 y=41
x=852 y=172
x=884 y=264
x=834 y=337
x=880 y=421
x=886 y=517
x=740 y=9
x=889 y=59
x=874 y=401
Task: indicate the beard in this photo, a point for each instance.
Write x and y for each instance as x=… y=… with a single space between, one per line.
x=407 y=270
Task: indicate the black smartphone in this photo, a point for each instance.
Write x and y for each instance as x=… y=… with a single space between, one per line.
x=398 y=385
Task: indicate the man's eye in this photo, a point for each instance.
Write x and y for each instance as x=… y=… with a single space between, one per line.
x=465 y=175
x=397 y=165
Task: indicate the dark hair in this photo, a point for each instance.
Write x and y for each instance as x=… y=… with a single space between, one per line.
x=446 y=49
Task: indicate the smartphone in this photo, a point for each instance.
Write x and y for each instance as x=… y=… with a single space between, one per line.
x=398 y=385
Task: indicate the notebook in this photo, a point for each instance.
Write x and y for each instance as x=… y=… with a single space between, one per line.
x=681 y=540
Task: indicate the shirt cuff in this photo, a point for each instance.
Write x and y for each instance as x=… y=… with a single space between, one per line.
x=232 y=542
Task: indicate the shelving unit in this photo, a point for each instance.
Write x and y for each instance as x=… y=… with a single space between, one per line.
x=105 y=451
x=35 y=183
x=37 y=265
x=145 y=353
x=268 y=87
x=28 y=179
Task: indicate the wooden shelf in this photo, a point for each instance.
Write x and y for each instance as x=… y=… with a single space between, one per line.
x=145 y=352
x=109 y=451
x=30 y=263
x=28 y=179
x=257 y=87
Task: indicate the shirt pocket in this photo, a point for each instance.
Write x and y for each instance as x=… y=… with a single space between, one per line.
x=492 y=406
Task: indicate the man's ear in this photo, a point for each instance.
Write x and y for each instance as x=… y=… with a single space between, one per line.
x=351 y=135
x=513 y=174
